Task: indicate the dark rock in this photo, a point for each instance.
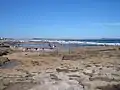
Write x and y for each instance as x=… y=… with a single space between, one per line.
x=104 y=79
x=3 y=60
x=66 y=70
x=72 y=57
x=77 y=76
x=54 y=77
x=4 y=45
x=4 y=51
x=110 y=87
x=35 y=63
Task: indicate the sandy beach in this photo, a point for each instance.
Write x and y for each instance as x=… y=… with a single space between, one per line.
x=59 y=44
x=88 y=68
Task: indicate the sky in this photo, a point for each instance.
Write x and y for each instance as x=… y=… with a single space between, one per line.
x=60 y=18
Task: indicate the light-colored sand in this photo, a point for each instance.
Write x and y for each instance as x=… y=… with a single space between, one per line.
x=99 y=68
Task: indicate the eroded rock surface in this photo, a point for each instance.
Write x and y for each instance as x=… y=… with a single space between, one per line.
x=91 y=78
x=100 y=71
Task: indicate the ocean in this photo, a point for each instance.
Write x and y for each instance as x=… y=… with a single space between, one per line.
x=71 y=42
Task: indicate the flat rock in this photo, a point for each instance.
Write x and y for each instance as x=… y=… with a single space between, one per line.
x=88 y=72
x=58 y=86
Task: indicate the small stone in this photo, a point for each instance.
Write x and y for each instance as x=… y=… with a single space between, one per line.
x=53 y=76
x=88 y=72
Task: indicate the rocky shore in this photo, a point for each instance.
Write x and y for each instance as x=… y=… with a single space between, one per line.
x=88 y=69
x=4 y=50
x=3 y=60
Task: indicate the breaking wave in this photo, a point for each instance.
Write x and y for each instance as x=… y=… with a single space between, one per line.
x=78 y=42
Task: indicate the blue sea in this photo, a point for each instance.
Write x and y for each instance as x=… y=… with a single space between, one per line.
x=71 y=42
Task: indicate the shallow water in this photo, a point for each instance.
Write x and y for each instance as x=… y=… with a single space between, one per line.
x=57 y=45
x=9 y=65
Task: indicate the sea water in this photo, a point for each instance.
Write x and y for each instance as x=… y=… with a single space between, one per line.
x=73 y=43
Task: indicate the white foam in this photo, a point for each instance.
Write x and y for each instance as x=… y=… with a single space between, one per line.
x=78 y=42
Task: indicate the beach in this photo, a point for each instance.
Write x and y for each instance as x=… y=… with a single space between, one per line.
x=59 y=44
x=83 y=68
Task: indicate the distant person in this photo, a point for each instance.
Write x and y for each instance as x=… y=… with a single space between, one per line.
x=43 y=49
x=53 y=46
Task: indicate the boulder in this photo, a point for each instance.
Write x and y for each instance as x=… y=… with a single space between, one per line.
x=3 y=60
x=4 y=51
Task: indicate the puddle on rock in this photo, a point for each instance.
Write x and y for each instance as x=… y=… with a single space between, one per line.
x=11 y=64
